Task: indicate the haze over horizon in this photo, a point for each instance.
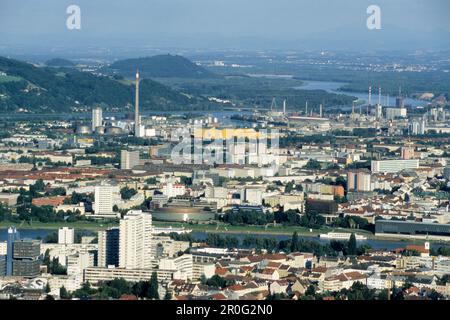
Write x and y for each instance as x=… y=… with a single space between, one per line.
x=223 y=24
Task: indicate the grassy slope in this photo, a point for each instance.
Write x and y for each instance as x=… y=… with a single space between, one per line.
x=220 y=228
x=59 y=89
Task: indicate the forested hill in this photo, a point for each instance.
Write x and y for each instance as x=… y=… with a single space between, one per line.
x=161 y=66
x=57 y=62
x=28 y=88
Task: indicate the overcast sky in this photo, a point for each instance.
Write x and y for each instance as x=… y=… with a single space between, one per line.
x=265 y=24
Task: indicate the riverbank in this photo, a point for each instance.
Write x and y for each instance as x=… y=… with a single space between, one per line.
x=212 y=228
x=259 y=230
x=79 y=225
x=341 y=88
x=220 y=228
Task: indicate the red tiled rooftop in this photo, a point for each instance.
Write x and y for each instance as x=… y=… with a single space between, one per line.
x=420 y=249
x=235 y=287
x=51 y=201
x=274 y=265
x=221 y=271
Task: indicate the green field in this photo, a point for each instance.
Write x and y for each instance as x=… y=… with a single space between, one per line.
x=217 y=227
x=277 y=230
x=212 y=228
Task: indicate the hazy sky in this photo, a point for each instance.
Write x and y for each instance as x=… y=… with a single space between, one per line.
x=265 y=24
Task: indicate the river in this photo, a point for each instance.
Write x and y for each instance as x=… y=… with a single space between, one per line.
x=374 y=243
x=333 y=87
x=27 y=233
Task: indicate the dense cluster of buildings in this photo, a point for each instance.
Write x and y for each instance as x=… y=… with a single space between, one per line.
x=135 y=250
x=380 y=166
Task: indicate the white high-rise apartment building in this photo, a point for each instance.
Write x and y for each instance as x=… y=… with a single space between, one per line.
x=104 y=199
x=393 y=166
x=97 y=118
x=128 y=159
x=135 y=240
x=66 y=235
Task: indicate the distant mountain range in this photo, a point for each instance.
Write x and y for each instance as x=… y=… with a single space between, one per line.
x=28 y=88
x=161 y=66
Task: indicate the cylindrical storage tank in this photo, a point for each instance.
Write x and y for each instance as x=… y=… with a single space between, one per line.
x=114 y=130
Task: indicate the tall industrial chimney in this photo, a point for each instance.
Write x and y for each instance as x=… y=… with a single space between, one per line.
x=136 y=107
x=379 y=95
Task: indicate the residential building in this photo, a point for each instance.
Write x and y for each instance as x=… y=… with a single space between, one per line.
x=135 y=240
x=66 y=235
x=359 y=181
x=129 y=159
x=104 y=200
x=108 y=247
x=393 y=166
